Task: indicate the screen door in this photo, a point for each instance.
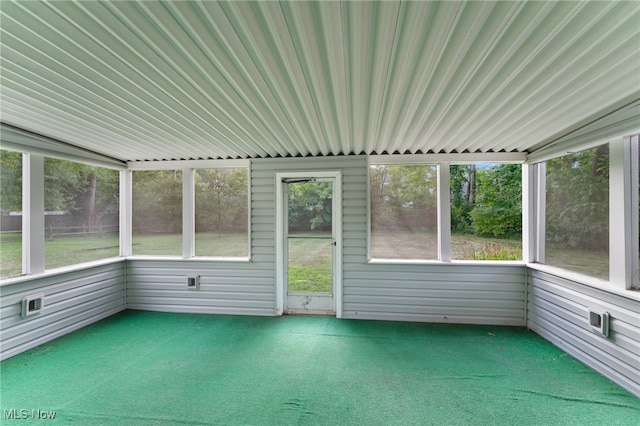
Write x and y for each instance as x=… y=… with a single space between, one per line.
x=309 y=246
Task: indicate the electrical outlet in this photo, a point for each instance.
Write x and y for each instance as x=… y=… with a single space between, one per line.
x=193 y=282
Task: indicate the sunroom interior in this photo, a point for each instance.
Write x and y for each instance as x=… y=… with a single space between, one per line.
x=220 y=115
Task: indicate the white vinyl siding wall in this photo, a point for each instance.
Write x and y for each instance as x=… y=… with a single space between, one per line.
x=72 y=300
x=488 y=293
x=445 y=293
x=239 y=288
x=558 y=310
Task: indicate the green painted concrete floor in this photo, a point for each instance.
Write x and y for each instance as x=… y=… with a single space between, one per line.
x=150 y=368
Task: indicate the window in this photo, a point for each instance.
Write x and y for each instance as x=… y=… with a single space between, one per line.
x=221 y=212
x=81 y=214
x=486 y=211
x=577 y=212
x=404 y=216
x=11 y=210
x=157 y=212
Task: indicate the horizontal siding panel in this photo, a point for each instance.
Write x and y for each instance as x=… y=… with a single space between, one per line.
x=436 y=293
x=376 y=278
x=579 y=337
x=590 y=354
x=578 y=326
x=558 y=311
x=57 y=313
x=201 y=295
x=195 y=298
x=359 y=203
x=62 y=300
x=440 y=311
x=72 y=300
x=593 y=294
x=435 y=318
x=64 y=280
x=258 y=194
x=225 y=287
x=625 y=307
x=577 y=313
x=215 y=310
x=430 y=302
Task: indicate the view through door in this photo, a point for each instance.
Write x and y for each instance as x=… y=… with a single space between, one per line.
x=309 y=246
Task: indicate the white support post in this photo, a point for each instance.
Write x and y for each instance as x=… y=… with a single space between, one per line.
x=634 y=146
x=621 y=237
x=33 y=229
x=540 y=211
x=444 y=213
x=529 y=212
x=188 y=213
x=126 y=215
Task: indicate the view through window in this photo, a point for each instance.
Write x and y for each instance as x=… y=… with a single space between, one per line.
x=577 y=212
x=157 y=212
x=81 y=212
x=221 y=217
x=404 y=216
x=486 y=211
x=11 y=210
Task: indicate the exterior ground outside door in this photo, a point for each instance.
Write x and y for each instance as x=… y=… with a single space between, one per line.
x=296 y=293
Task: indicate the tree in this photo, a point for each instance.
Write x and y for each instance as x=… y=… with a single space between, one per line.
x=310 y=206
x=86 y=193
x=577 y=208
x=221 y=200
x=404 y=197
x=10 y=181
x=497 y=208
x=157 y=201
x=462 y=188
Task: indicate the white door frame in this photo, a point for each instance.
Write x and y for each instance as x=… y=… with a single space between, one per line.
x=336 y=218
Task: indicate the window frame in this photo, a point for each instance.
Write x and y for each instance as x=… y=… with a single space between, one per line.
x=442 y=161
x=188 y=168
x=623 y=212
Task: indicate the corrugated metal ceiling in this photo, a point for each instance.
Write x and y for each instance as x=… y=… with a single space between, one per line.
x=193 y=80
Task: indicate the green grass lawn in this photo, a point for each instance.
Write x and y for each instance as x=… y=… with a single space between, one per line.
x=310 y=267
x=60 y=251
x=207 y=244
x=309 y=260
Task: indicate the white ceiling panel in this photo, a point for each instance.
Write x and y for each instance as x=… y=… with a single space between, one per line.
x=141 y=81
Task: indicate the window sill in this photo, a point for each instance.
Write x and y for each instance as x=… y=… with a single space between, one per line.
x=61 y=270
x=586 y=280
x=245 y=259
x=440 y=262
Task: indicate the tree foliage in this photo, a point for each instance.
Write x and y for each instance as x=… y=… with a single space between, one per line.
x=497 y=210
x=10 y=181
x=577 y=200
x=85 y=193
x=157 y=201
x=310 y=206
x=404 y=197
x=221 y=200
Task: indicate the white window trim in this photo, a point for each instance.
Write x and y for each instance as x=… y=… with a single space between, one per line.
x=188 y=164
x=623 y=213
x=126 y=212
x=444 y=212
x=187 y=168
x=20 y=140
x=623 y=216
x=442 y=162
x=33 y=261
x=188 y=213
